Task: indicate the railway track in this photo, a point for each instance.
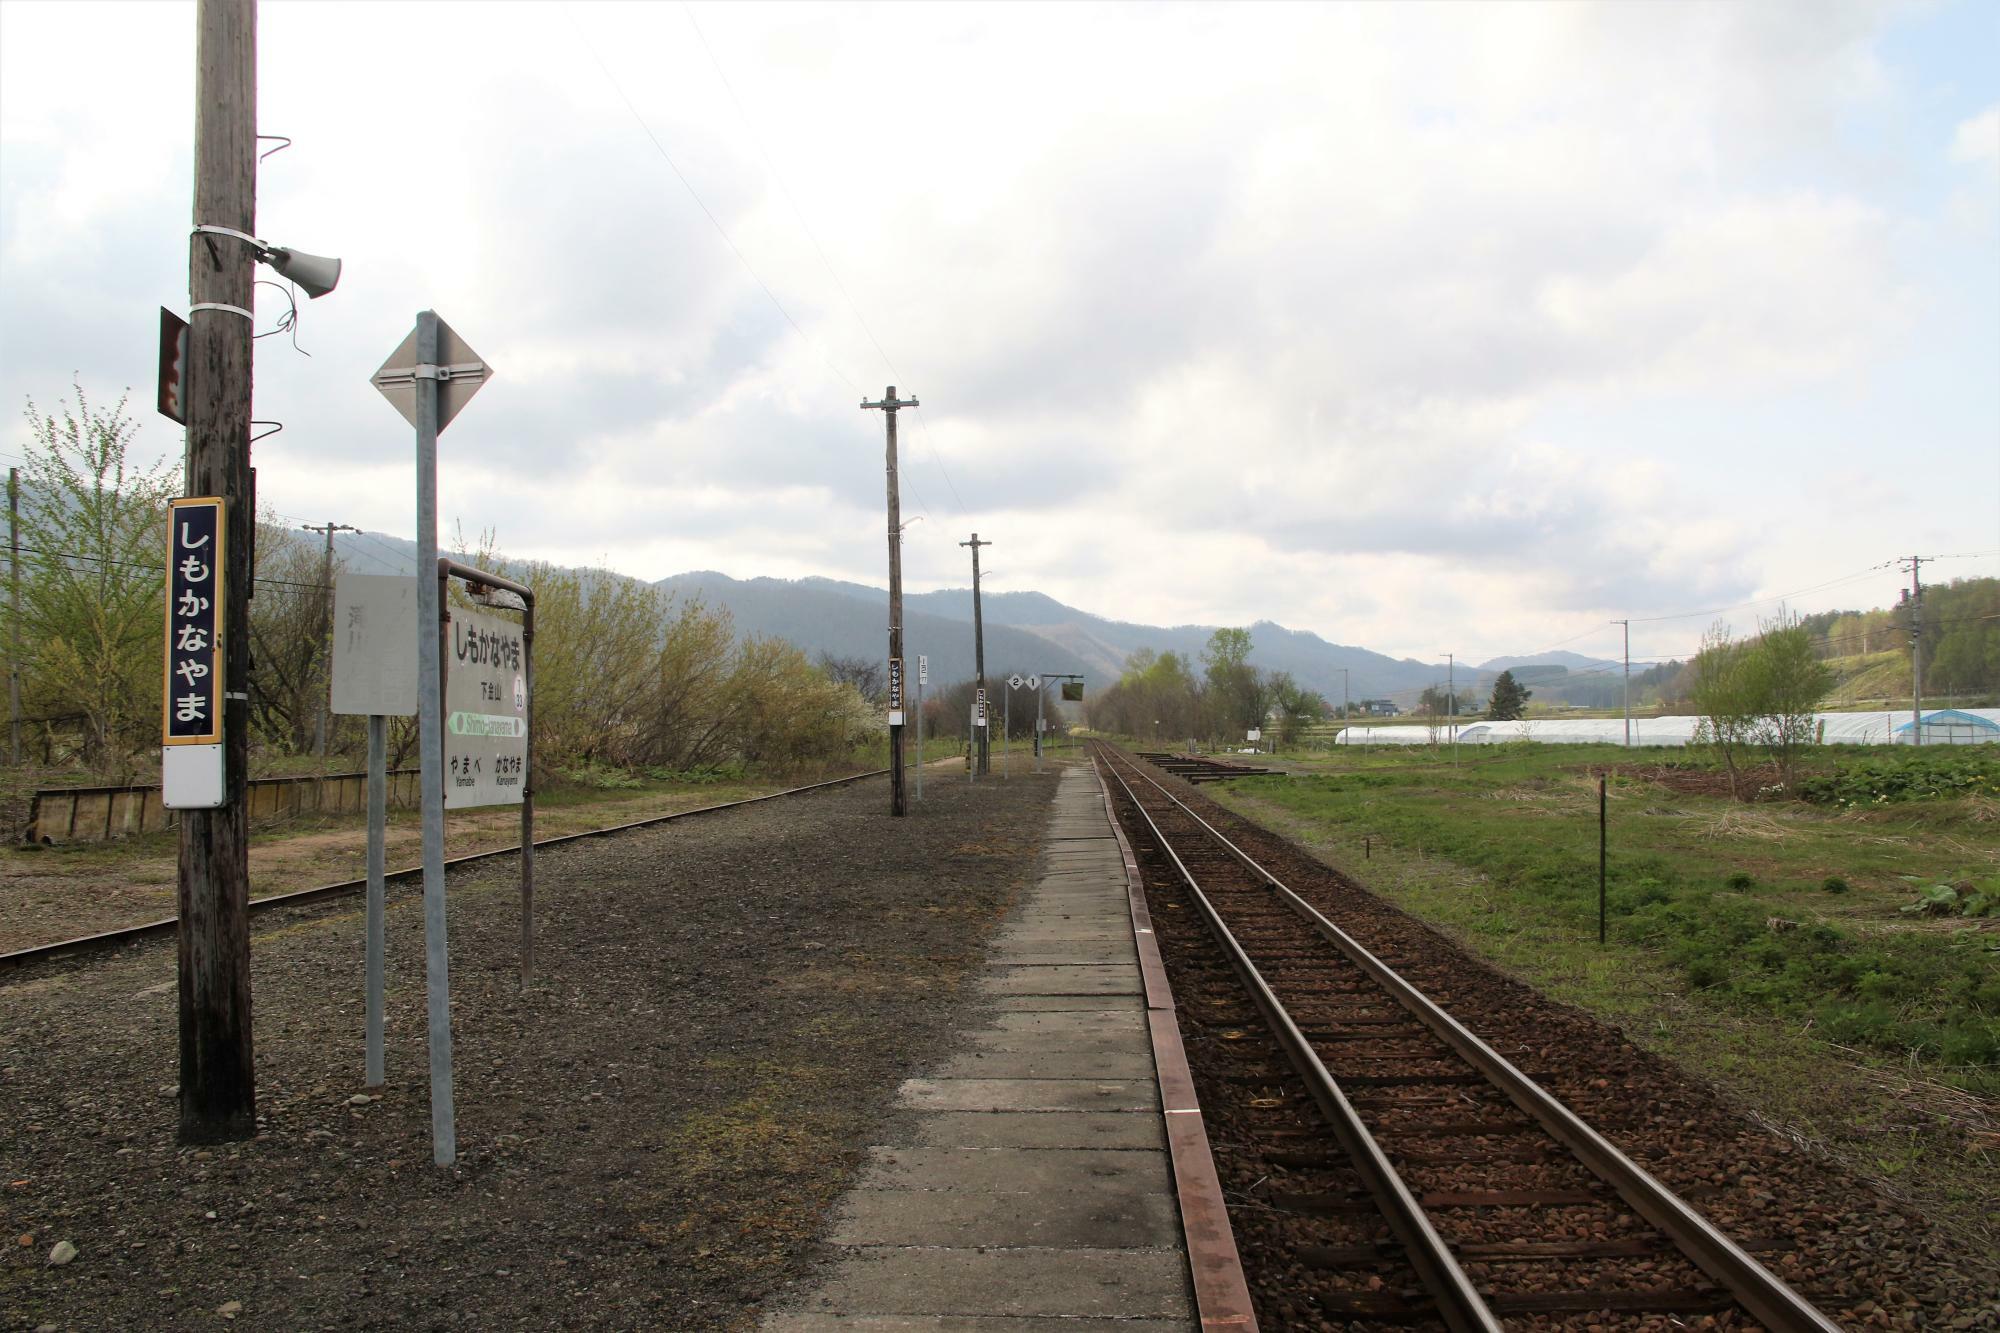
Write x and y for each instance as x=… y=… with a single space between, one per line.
x=1405 y=1171
x=115 y=939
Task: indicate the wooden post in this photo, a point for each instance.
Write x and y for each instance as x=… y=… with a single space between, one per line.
x=14 y=615
x=1601 y=841
x=980 y=740
x=218 y=1079
x=325 y=687
x=890 y=405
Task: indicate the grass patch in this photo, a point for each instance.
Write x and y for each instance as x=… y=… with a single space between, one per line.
x=1782 y=910
x=1764 y=947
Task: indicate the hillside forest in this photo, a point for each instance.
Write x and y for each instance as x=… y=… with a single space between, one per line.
x=639 y=677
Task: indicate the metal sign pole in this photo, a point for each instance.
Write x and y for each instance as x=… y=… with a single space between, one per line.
x=378 y=805
x=920 y=729
x=430 y=734
x=1006 y=730
x=1038 y=728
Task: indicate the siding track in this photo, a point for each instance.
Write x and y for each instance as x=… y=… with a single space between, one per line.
x=167 y=926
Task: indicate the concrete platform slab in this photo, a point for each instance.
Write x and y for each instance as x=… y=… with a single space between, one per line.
x=1039 y=1129
x=1063 y=1003
x=1046 y=1171
x=1097 y=1218
x=1048 y=1064
x=1092 y=1022
x=1073 y=979
x=832 y=1323
x=1027 y=1094
x=1110 y=1283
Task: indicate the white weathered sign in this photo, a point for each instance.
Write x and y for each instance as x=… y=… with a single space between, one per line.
x=375 y=645
x=485 y=711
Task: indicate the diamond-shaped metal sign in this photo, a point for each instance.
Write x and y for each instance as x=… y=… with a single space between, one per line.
x=460 y=372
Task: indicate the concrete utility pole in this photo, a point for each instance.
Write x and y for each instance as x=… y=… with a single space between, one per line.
x=1451 y=708
x=218 y=1092
x=1916 y=651
x=889 y=406
x=978 y=654
x=14 y=615
x=1343 y=699
x=326 y=637
x=1628 y=680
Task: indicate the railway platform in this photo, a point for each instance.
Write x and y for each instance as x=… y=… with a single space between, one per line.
x=1034 y=1188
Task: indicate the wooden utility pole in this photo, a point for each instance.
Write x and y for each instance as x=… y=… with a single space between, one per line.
x=218 y=1091
x=13 y=615
x=1628 y=684
x=889 y=406
x=1916 y=651
x=325 y=687
x=979 y=740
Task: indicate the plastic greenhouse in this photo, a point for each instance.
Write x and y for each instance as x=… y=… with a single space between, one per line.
x=1944 y=726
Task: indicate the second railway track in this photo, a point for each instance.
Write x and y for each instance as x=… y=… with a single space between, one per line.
x=105 y=941
x=1406 y=1170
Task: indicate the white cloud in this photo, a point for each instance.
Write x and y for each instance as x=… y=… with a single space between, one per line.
x=1217 y=312
x=1976 y=142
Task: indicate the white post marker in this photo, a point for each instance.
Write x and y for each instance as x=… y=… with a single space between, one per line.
x=428 y=378
x=375 y=676
x=923 y=678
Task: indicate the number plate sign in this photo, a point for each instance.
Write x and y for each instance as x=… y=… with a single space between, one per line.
x=979 y=708
x=923 y=669
x=486 y=712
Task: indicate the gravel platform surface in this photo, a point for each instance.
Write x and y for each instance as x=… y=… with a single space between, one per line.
x=650 y=1137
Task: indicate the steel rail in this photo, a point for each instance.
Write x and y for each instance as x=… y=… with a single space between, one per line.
x=1458 y=1300
x=1761 y=1292
x=112 y=939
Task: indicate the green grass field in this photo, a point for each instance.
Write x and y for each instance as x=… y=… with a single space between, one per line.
x=1764 y=944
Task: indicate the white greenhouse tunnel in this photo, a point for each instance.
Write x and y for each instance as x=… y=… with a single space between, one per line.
x=1942 y=726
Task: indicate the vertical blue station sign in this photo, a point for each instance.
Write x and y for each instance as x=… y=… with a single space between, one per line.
x=194 y=691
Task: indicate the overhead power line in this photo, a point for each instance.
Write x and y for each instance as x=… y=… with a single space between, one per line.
x=702 y=204
x=812 y=236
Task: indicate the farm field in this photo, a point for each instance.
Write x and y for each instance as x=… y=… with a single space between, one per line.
x=1833 y=964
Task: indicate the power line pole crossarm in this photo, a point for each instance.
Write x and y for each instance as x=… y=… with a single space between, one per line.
x=889 y=406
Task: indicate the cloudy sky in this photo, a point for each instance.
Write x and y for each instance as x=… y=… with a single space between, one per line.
x=1459 y=328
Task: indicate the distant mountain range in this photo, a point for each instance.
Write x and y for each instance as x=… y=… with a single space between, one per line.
x=1026 y=632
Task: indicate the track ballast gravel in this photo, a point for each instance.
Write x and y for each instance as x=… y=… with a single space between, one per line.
x=649 y=1137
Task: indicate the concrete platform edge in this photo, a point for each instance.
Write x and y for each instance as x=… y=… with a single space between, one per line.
x=1222 y=1296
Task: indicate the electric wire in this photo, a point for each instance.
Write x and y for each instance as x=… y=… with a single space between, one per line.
x=812 y=236
x=695 y=194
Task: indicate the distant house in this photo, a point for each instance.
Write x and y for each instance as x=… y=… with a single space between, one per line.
x=1377 y=708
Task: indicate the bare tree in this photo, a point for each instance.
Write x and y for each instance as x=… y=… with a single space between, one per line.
x=865 y=674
